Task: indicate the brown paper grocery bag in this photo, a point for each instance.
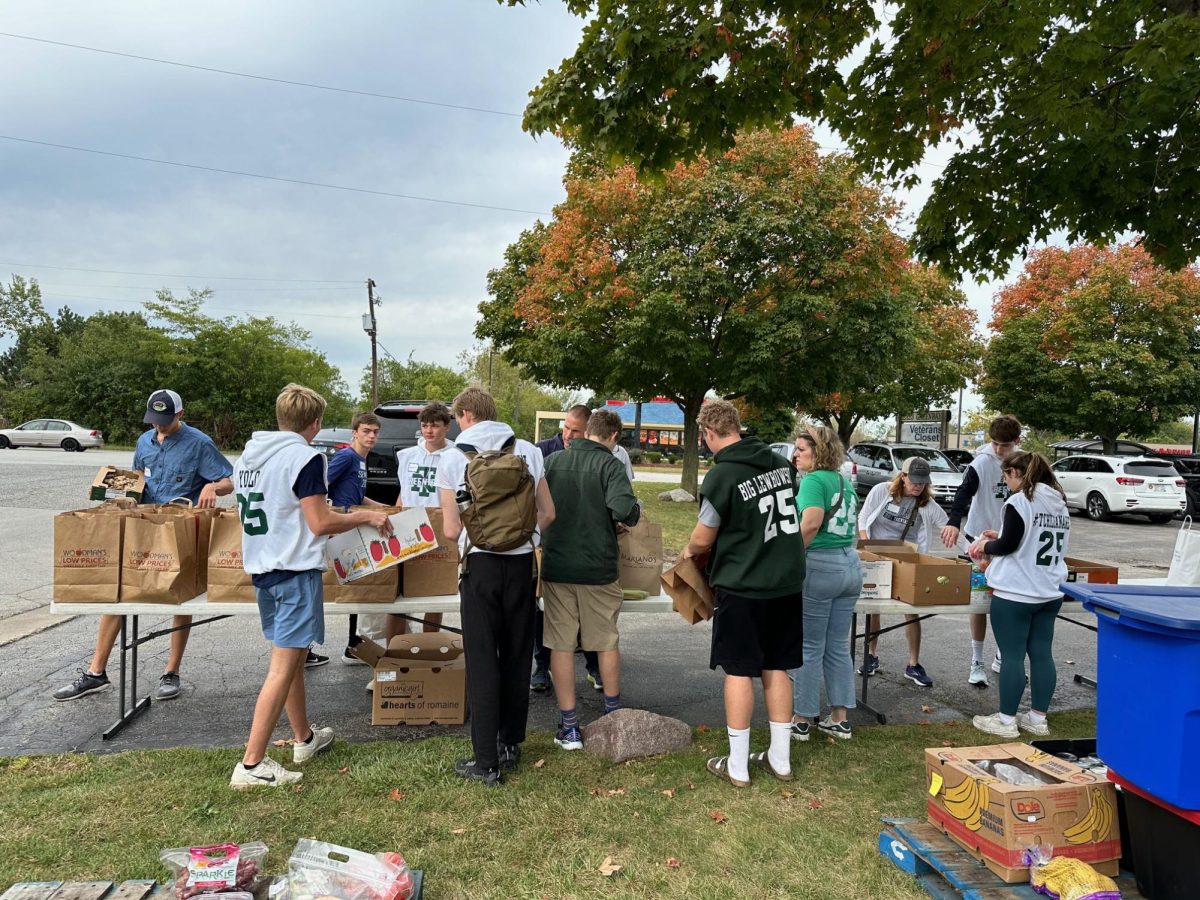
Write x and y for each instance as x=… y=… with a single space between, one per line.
x=690 y=592
x=378 y=587
x=158 y=562
x=87 y=555
x=227 y=579
x=641 y=558
x=204 y=519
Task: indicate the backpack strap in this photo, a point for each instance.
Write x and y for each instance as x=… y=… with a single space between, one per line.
x=912 y=517
x=837 y=504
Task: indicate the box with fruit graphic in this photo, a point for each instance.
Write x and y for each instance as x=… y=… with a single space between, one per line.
x=364 y=551
x=998 y=801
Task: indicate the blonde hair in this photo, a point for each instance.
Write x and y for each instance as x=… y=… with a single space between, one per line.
x=896 y=489
x=1034 y=469
x=827 y=452
x=297 y=407
x=477 y=402
x=720 y=416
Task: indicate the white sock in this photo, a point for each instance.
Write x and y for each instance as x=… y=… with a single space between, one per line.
x=976 y=652
x=780 y=753
x=1007 y=720
x=739 y=753
x=1036 y=717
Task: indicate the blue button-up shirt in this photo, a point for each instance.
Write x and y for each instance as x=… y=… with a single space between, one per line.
x=180 y=466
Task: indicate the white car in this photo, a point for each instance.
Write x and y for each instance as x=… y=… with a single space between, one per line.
x=51 y=433
x=1103 y=486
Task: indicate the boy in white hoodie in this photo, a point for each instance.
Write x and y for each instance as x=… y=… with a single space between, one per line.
x=497 y=590
x=280 y=485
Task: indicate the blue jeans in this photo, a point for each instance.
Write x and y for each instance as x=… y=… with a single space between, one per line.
x=832 y=583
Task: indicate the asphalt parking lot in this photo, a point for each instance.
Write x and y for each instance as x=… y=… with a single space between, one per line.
x=665 y=660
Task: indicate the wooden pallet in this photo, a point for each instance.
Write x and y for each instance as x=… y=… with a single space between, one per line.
x=126 y=890
x=946 y=871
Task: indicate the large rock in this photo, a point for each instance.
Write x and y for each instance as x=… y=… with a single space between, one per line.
x=630 y=733
x=679 y=495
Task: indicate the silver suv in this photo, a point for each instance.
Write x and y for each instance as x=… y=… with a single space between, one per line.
x=875 y=462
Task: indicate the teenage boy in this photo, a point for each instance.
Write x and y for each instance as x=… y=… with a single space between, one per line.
x=497 y=590
x=748 y=521
x=179 y=461
x=417 y=468
x=281 y=489
x=581 y=564
x=348 y=487
x=980 y=499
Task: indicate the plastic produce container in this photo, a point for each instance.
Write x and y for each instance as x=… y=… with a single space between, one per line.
x=1148 y=691
x=1163 y=843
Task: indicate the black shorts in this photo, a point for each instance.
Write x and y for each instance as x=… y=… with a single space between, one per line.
x=752 y=635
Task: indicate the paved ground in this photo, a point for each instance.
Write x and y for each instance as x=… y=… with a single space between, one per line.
x=665 y=660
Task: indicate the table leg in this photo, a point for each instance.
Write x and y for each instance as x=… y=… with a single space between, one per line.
x=866 y=636
x=128 y=706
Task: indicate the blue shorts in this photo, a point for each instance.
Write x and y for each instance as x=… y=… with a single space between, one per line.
x=293 y=611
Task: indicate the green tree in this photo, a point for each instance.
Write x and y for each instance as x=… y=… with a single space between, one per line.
x=769 y=424
x=1060 y=115
x=518 y=397
x=769 y=273
x=1096 y=341
x=413 y=380
x=941 y=353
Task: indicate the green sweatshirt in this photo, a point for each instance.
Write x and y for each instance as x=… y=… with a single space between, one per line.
x=591 y=492
x=759 y=552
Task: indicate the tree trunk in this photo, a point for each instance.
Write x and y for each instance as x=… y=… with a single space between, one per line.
x=1110 y=443
x=690 y=481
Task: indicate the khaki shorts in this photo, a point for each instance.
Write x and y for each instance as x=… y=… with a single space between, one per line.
x=581 y=613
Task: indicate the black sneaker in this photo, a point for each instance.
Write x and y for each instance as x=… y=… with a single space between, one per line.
x=594 y=679
x=466 y=768
x=837 y=729
x=168 y=686
x=350 y=660
x=510 y=756
x=85 y=684
x=313 y=660
x=539 y=681
x=871 y=665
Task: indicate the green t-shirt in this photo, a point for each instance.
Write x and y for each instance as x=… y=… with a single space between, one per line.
x=820 y=489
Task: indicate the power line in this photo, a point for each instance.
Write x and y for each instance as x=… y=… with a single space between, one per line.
x=306 y=84
x=319 y=184
x=265 y=312
x=196 y=277
x=235 y=290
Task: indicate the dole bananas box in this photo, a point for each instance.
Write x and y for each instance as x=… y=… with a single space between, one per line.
x=970 y=795
x=362 y=551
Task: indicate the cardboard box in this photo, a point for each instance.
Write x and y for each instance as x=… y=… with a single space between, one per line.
x=435 y=573
x=376 y=587
x=363 y=551
x=691 y=594
x=1080 y=570
x=881 y=546
x=103 y=489
x=876 y=575
x=923 y=580
x=1075 y=814
x=421 y=679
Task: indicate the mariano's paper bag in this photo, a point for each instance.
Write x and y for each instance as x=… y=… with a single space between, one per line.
x=690 y=593
x=228 y=581
x=641 y=550
x=87 y=555
x=159 y=559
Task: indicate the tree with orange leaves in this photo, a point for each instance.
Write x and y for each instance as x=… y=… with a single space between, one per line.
x=1096 y=341
x=770 y=273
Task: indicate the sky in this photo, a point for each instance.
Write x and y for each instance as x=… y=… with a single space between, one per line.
x=297 y=252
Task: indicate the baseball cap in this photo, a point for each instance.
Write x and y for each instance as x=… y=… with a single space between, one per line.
x=916 y=470
x=162 y=407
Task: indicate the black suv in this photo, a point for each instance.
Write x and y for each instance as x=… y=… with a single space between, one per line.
x=398 y=430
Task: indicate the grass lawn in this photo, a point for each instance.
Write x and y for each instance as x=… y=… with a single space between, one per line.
x=544 y=833
x=677 y=519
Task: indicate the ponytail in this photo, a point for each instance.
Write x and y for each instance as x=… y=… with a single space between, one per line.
x=1034 y=469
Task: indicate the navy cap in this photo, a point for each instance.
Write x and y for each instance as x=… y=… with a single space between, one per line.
x=162 y=408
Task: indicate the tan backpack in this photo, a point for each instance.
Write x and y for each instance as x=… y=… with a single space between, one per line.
x=502 y=513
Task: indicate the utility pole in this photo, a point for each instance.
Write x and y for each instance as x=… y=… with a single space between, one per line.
x=369 y=328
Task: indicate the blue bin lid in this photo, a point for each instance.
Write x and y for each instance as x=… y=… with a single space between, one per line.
x=1174 y=608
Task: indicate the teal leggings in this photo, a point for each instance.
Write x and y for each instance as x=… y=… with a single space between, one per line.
x=1025 y=629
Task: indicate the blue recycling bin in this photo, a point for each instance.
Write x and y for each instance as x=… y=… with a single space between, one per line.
x=1148 y=693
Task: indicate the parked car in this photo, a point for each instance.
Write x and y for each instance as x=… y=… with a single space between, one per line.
x=398 y=430
x=1103 y=486
x=51 y=433
x=961 y=458
x=330 y=440
x=873 y=462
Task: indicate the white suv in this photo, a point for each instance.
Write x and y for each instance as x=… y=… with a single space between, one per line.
x=1107 y=485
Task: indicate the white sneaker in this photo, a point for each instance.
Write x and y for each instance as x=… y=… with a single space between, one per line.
x=992 y=725
x=1026 y=723
x=267 y=773
x=996 y=663
x=978 y=675
x=322 y=739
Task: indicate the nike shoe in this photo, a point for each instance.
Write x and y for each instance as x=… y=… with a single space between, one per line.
x=322 y=739
x=267 y=773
